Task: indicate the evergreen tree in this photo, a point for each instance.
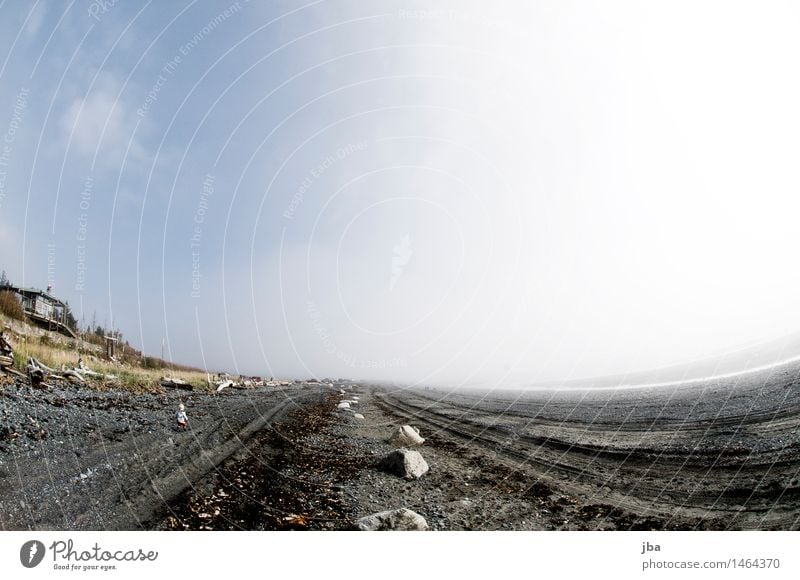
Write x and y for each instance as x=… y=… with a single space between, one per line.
x=72 y=322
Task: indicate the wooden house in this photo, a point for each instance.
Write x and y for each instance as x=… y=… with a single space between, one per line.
x=43 y=308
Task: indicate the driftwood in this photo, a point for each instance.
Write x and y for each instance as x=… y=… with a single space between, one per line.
x=7 y=357
x=73 y=376
x=81 y=371
x=229 y=385
x=37 y=364
x=175 y=383
x=37 y=372
x=14 y=372
x=6 y=351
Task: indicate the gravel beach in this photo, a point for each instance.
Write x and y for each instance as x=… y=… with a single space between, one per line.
x=709 y=456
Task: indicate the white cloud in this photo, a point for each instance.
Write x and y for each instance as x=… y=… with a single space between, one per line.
x=99 y=124
x=36 y=19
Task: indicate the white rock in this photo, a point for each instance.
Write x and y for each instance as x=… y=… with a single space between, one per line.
x=405 y=463
x=358 y=416
x=406 y=436
x=343 y=405
x=401 y=519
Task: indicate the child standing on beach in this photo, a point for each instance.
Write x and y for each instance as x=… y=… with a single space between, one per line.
x=183 y=420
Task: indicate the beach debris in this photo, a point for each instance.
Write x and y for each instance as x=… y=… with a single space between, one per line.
x=358 y=416
x=404 y=463
x=73 y=376
x=85 y=371
x=39 y=364
x=15 y=372
x=224 y=385
x=406 y=436
x=38 y=372
x=343 y=405
x=400 y=519
x=83 y=476
x=229 y=385
x=78 y=374
x=175 y=383
x=295 y=520
x=6 y=352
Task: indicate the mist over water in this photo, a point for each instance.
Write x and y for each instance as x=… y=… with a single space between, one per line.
x=444 y=193
x=563 y=195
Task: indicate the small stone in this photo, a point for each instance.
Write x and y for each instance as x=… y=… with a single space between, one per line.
x=400 y=519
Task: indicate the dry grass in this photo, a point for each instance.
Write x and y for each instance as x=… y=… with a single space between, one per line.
x=10 y=306
x=57 y=354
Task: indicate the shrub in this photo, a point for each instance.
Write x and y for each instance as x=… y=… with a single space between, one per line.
x=152 y=363
x=10 y=306
x=92 y=338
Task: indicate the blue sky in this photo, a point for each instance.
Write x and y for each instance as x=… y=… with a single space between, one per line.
x=406 y=191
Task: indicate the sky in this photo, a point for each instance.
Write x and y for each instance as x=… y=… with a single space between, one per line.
x=421 y=192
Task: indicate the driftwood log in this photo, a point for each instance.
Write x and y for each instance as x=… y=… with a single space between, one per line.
x=175 y=383
x=229 y=385
x=73 y=376
x=37 y=372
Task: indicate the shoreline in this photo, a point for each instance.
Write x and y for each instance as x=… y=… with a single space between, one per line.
x=287 y=458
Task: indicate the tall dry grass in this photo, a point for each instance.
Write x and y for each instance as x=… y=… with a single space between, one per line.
x=127 y=375
x=10 y=306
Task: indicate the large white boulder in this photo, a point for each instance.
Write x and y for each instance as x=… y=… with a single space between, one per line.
x=406 y=436
x=343 y=405
x=358 y=416
x=405 y=463
x=401 y=519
